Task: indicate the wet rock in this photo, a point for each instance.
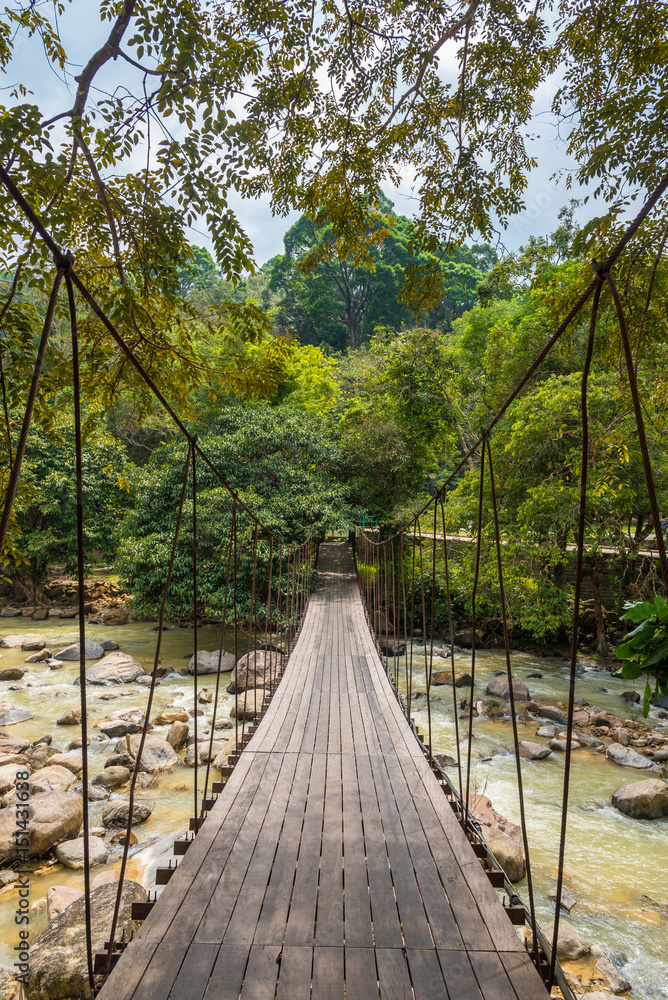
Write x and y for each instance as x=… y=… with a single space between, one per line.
x=178 y=734
x=115 y=668
x=499 y=687
x=96 y=794
x=255 y=670
x=12 y=673
x=117 y=727
x=562 y=745
x=10 y=716
x=58 y=964
x=581 y=718
x=465 y=639
x=634 y=698
x=622 y=736
x=393 y=648
x=547 y=732
x=121 y=760
x=52 y=778
x=222 y=756
x=170 y=715
x=534 y=676
x=603 y=720
x=642 y=799
x=616 y=980
x=54 y=816
x=462 y=679
x=570 y=946
x=626 y=757
x=112 y=777
x=248 y=704
x=503 y=837
x=534 y=751
x=92 y=651
x=16 y=641
x=59 y=897
x=72 y=761
x=205 y=697
x=567 y=902
x=71 y=853
x=116 y=813
x=40 y=614
x=120 y=837
x=33 y=643
x=10 y=613
x=115 y=616
x=207 y=662
x=12 y=744
x=72 y=717
x=108 y=645
x=157 y=755
x=553 y=713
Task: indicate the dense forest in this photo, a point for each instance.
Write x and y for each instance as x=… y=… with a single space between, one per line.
x=344 y=378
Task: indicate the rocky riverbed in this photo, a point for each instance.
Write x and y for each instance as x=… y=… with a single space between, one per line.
x=616 y=864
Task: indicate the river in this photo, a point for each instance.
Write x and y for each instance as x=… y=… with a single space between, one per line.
x=611 y=861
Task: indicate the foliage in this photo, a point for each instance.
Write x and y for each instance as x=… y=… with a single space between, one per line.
x=645 y=649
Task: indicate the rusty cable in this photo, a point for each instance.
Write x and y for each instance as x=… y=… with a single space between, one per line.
x=474 y=594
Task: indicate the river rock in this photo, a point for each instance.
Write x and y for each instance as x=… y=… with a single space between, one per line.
x=112 y=777
x=248 y=704
x=503 y=837
x=553 y=713
x=465 y=639
x=33 y=643
x=534 y=751
x=570 y=946
x=499 y=687
x=16 y=641
x=642 y=799
x=92 y=651
x=115 y=668
x=634 y=698
x=604 y=720
x=255 y=670
x=10 y=716
x=58 y=964
x=117 y=727
x=52 y=778
x=562 y=745
x=71 y=853
x=8 y=774
x=72 y=761
x=12 y=744
x=626 y=757
x=116 y=813
x=207 y=662
x=617 y=982
x=547 y=732
x=170 y=715
x=128 y=715
x=157 y=755
x=115 y=616
x=54 y=816
x=12 y=673
x=205 y=754
x=178 y=734
x=462 y=679
x=59 y=897
x=72 y=717
x=108 y=645
x=222 y=756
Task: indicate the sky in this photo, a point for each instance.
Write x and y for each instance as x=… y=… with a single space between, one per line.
x=82 y=32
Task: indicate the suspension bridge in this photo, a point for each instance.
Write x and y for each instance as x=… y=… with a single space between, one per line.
x=332 y=864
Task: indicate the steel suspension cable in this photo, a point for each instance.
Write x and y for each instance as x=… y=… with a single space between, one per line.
x=195 y=636
x=474 y=594
x=451 y=634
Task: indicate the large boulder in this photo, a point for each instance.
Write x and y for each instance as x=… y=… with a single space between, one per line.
x=116 y=813
x=12 y=744
x=462 y=679
x=9 y=716
x=52 y=778
x=58 y=964
x=16 y=641
x=616 y=980
x=248 y=704
x=534 y=751
x=553 y=713
x=157 y=754
x=117 y=727
x=626 y=757
x=59 y=897
x=642 y=799
x=72 y=717
x=72 y=761
x=499 y=687
x=178 y=734
x=570 y=946
x=8 y=774
x=12 y=673
x=207 y=752
x=71 y=853
x=112 y=777
x=503 y=838
x=222 y=756
x=115 y=616
x=53 y=817
x=207 y=662
x=92 y=651
x=255 y=670
x=115 y=668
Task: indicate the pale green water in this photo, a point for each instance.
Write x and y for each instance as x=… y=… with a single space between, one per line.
x=611 y=861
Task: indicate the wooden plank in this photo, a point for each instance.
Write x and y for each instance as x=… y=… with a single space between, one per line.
x=357 y=910
x=294 y=977
x=193 y=978
x=329 y=923
x=459 y=976
x=361 y=975
x=395 y=982
x=491 y=975
x=523 y=974
x=227 y=974
x=426 y=975
x=328 y=974
x=301 y=919
x=261 y=972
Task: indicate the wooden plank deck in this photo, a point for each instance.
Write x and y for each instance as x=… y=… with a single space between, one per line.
x=332 y=865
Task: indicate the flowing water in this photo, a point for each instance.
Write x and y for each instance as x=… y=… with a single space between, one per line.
x=612 y=862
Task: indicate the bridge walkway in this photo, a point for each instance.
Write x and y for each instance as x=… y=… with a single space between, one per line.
x=332 y=866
